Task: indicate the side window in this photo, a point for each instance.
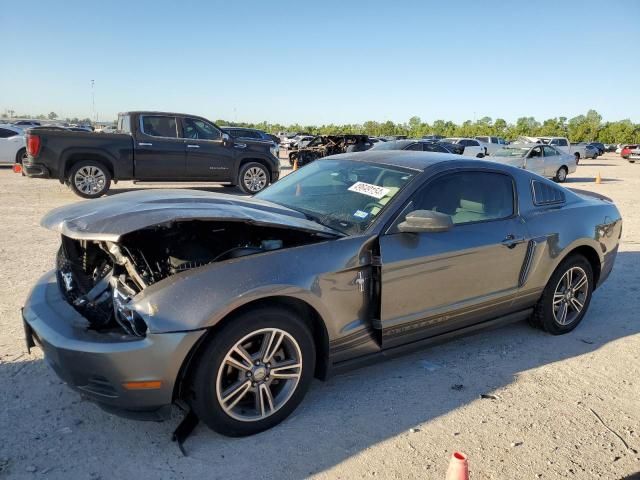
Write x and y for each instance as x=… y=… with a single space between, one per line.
x=158 y=126
x=545 y=194
x=535 y=152
x=494 y=140
x=562 y=142
x=555 y=141
x=415 y=146
x=200 y=130
x=5 y=133
x=468 y=196
x=483 y=139
x=549 y=151
x=464 y=143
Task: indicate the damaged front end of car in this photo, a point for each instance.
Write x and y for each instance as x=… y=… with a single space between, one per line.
x=100 y=278
x=111 y=253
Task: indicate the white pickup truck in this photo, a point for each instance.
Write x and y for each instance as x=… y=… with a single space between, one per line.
x=492 y=144
x=561 y=143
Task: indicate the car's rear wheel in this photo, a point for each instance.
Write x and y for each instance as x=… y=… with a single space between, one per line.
x=566 y=297
x=89 y=179
x=21 y=156
x=561 y=175
x=254 y=372
x=577 y=155
x=253 y=178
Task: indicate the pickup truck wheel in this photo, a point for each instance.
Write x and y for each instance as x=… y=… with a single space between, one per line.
x=561 y=175
x=89 y=179
x=253 y=178
x=253 y=372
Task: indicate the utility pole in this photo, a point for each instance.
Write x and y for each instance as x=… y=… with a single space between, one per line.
x=93 y=102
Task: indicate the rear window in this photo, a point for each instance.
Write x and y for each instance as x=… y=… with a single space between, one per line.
x=545 y=194
x=160 y=126
x=124 y=123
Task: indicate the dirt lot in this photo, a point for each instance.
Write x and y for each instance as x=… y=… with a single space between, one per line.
x=564 y=407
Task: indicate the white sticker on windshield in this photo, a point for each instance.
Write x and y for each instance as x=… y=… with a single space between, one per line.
x=370 y=190
x=360 y=214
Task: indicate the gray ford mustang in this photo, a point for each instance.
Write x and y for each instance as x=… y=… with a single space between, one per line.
x=230 y=306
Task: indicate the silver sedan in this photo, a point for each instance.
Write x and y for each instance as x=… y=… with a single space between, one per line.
x=544 y=160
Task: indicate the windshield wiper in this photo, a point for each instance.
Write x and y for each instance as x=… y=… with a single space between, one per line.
x=318 y=219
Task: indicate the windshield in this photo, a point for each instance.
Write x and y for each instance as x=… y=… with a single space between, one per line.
x=343 y=195
x=511 y=152
x=392 y=145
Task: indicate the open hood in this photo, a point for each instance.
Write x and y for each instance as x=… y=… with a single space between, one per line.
x=107 y=219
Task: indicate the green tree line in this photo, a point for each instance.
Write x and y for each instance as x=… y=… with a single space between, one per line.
x=583 y=128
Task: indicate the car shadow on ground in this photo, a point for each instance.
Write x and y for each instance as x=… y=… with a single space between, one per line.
x=349 y=413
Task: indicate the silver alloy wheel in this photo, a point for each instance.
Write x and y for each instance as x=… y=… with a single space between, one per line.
x=259 y=375
x=90 y=180
x=570 y=295
x=562 y=174
x=255 y=179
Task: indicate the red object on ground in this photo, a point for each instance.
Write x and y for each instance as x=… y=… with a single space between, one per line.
x=17 y=168
x=458 y=467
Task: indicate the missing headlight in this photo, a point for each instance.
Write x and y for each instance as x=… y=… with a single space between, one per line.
x=127 y=318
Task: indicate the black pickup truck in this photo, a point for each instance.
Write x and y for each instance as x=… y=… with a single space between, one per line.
x=150 y=147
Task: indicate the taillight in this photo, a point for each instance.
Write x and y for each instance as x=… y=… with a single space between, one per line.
x=33 y=145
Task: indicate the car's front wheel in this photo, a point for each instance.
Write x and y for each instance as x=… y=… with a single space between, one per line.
x=253 y=178
x=254 y=372
x=566 y=297
x=89 y=179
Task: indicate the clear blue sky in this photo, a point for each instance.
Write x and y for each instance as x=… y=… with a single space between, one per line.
x=323 y=62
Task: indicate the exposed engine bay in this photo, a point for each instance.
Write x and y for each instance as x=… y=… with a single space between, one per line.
x=99 y=278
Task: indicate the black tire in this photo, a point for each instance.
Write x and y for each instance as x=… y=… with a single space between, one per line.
x=561 y=175
x=577 y=155
x=543 y=315
x=480 y=155
x=258 y=182
x=21 y=155
x=207 y=365
x=102 y=179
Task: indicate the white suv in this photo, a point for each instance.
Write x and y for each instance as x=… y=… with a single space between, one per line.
x=492 y=144
x=472 y=147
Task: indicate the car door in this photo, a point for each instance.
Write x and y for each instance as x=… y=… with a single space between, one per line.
x=159 y=152
x=208 y=158
x=551 y=160
x=10 y=143
x=431 y=282
x=534 y=162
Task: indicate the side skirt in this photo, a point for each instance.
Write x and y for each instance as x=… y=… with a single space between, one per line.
x=373 y=358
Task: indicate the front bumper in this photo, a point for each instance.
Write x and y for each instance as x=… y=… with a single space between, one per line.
x=97 y=364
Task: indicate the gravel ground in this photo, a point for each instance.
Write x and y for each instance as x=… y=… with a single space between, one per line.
x=564 y=407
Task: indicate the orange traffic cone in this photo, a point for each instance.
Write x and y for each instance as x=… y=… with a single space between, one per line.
x=458 y=467
x=598 y=177
x=295 y=164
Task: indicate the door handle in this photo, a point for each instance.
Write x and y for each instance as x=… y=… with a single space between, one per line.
x=511 y=241
x=145 y=144
x=193 y=146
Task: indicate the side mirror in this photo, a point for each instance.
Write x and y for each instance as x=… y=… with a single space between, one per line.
x=420 y=221
x=226 y=140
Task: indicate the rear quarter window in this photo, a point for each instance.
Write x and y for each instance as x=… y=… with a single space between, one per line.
x=545 y=194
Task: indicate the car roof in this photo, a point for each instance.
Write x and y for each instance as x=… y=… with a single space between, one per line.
x=413 y=160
